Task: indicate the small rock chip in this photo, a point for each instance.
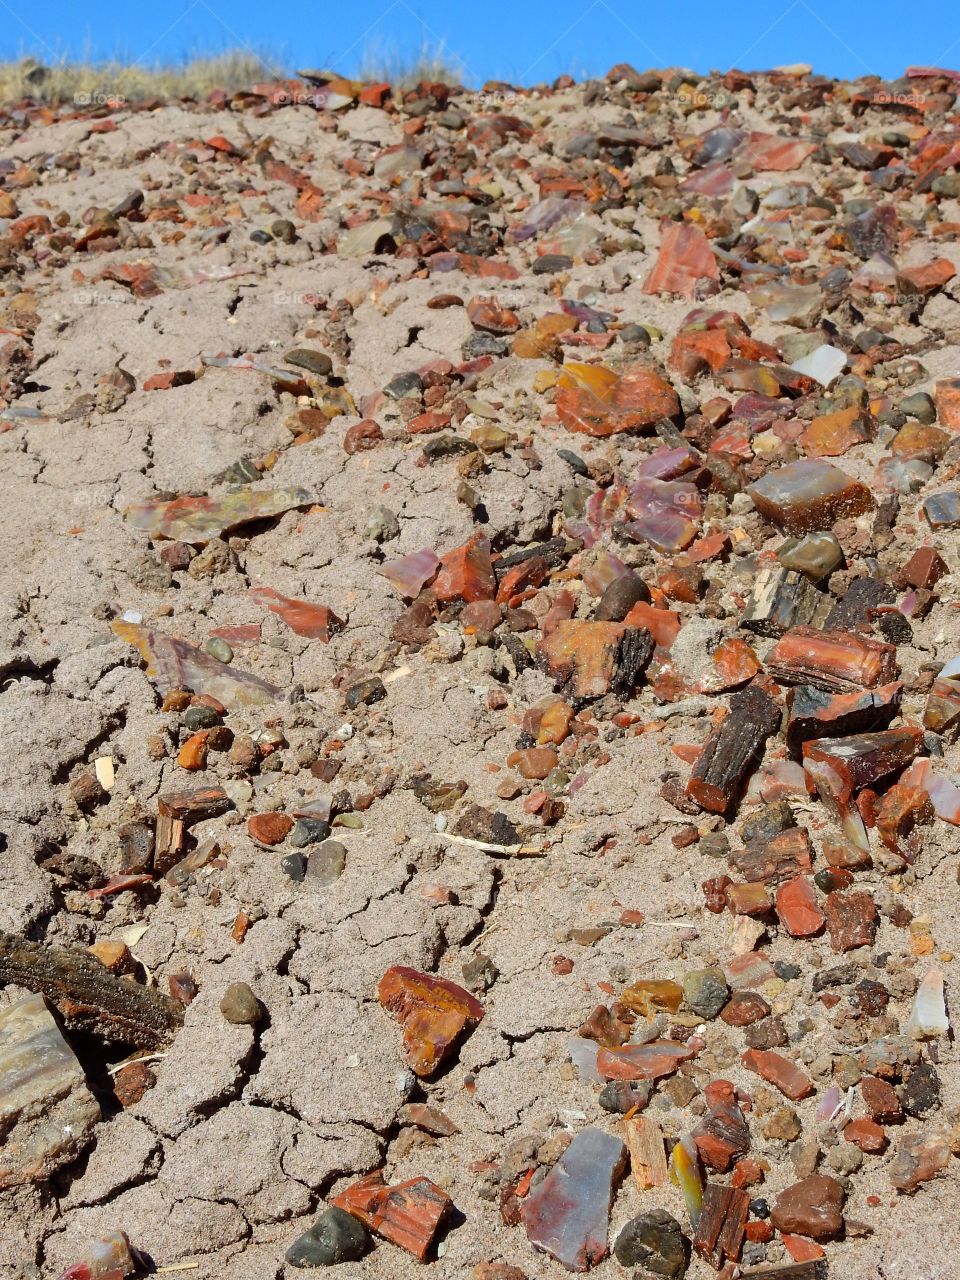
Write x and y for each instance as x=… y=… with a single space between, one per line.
x=812 y=1207
x=335 y=1237
x=239 y=1005
x=269 y=828
x=705 y=991
x=653 y=1241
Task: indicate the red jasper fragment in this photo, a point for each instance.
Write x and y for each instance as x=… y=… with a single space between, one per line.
x=600 y=402
x=466 y=573
x=779 y=1071
x=315 y=621
x=408 y=1214
x=836 y=661
x=685 y=257
x=433 y=1012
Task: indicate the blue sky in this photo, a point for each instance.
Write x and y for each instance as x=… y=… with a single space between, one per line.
x=517 y=40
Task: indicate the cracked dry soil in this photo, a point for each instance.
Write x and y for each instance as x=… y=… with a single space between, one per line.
x=246 y=1132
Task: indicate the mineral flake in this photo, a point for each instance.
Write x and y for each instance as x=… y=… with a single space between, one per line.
x=408 y=1214
x=47 y=1112
x=809 y=494
x=198 y=520
x=567 y=1215
x=434 y=1013
x=176 y=664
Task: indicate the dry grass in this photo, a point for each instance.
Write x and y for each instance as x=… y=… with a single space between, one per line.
x=434 y=63
x=92 y=83
x=89 y=82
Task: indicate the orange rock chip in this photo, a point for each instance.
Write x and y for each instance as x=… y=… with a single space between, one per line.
x=434 y=1014
x=466 y=573
x=685 y=257
x=600 y=402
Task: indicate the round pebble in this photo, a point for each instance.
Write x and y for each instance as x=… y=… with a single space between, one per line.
x=239 y=1005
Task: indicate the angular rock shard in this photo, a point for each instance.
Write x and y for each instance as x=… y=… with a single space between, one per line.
x=47 y=1112
x=643 y=1061
x=568 y=1214
x=733 y=750
x=601 y=402
x=808 y=495
x=434 y=1013
x=198 y=520
x=408 y=1214
x=176 y=664
x=315 y=621
x=87 y=995
x=685 y=257
x=594 y=658
x=721 y=1224
x=835 y=661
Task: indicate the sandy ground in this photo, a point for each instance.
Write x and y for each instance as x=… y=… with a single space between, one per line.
x=226 y=1160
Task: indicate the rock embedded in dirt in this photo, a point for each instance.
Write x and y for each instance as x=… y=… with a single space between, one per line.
x=47 y=1112
x=336 y=1236
x=812 y=1207
x=705 y=991
x=239 y=1005
x=654 y=1242
x=269 y=828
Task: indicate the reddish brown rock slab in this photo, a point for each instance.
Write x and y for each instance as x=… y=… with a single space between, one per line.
x=533 y=762
x=814 y=713
x=315 y=621
x=880 y=1099
x=798 y=908
x=775 y=859
x=836 y=661
x=466 y=573
x=601 y=402
x=946 y=395
x=642 y=1061
x=433 y=1012
x=685 y=257
x=594 y=658
x=811 y=1207
x=851 y=920
x=722 y=1135
x=269 y=828
x=408 y=1214
x=567 y=1215
x=779 y=1071
x=924 y=569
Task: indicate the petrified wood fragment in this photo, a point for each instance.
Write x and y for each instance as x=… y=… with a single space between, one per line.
x=809 y=494
x=733 y=749
x=87 y=995
x=839 y=767
x=835 y=661
x=781 y=599
x=720 y=1229
x=814 y=713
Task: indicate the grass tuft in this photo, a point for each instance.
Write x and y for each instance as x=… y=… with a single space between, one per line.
x=115 y=83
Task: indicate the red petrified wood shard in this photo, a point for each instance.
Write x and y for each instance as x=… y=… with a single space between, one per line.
x=839 y=767
x=733 y=749
x=811 y=1207
x=817 y=714
x=568 y=1214
x=685 y=257
x=315 y=621
x=836 y=661
x=779 y=1071
x=466 y=573
x=798 y=909
x=782 y=857
x=434 y=1014
x=601 y=402
x=642 y=1061
x=408 y=1214
x=720 y=1228
x=594 y=658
